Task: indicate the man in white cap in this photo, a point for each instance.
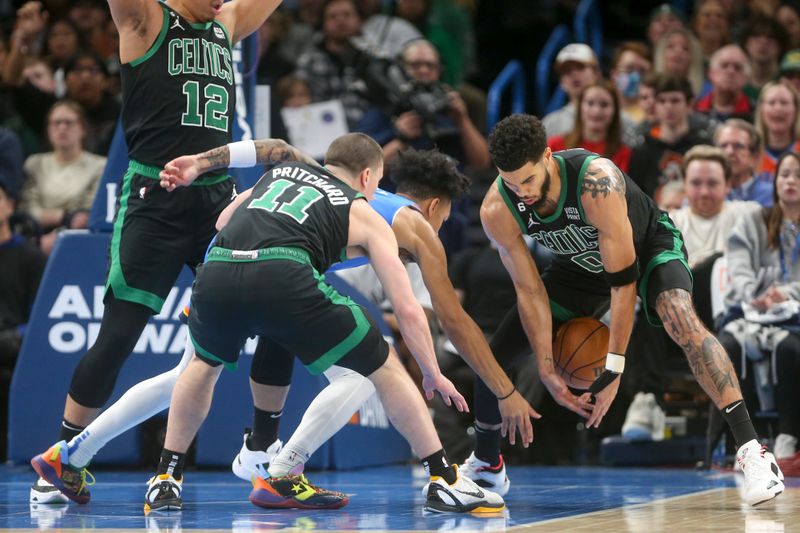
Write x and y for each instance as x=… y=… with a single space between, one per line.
x=577 y=67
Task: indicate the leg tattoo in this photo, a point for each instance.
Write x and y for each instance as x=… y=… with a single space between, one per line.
x=707 y=358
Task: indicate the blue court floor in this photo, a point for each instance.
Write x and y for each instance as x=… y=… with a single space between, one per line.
x=389 y=498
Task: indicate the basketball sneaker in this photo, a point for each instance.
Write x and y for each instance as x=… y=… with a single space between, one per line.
x=44 y=492
x=463 y=496
x=645 y=419
x=53 y=465
x=249 y=464
x=485 y=475
x=163 y=494
x=294 y=492
x=763 y=479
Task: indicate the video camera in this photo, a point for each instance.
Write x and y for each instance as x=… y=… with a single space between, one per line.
x=389 y=87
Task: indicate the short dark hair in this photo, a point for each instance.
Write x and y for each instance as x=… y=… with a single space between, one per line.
x=761 y=25
x=678 y=84
x=354 y=152
x=72 y=63
x=426 y=174
x=515 y=140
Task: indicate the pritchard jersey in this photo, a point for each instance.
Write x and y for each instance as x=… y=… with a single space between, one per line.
x=179 y=97
x=566 y=232
x=294 y=205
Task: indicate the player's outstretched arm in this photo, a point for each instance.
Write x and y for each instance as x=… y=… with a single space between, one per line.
x=603 y=199
x=532 y=301
x=371 y=232
x=138 y=23
x=416 y=236
x=243 y=17
x=182 y=171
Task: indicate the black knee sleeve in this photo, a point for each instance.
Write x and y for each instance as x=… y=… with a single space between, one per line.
x=96 y=374
x=272 y=364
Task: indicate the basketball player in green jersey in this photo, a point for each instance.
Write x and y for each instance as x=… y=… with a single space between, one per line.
x=178 y=96
x=609 y=239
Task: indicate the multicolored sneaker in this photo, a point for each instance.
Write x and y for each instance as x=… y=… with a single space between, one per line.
x=249 y=464
x=44 y=492
x=294 y=492
x=163 y=494
x=53 y=465
x=763 y=479
x=463 y=496
x=485 y=475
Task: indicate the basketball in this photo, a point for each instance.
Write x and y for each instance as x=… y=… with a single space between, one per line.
x=579 y=351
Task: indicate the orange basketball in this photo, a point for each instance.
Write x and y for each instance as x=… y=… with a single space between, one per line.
x=579 y=351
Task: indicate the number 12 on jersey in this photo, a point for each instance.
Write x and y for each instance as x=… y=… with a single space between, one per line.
x=296 y=208
x=215 y=110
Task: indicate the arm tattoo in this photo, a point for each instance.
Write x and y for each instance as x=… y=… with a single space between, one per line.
x=602 y=178
x=707 y=358
x=277 y=150
x=215 y=158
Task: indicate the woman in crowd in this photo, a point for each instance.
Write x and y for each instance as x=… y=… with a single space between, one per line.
x=60 y=185
x=678 y=53
x=598 y=125
x=631 y=63
x=762 y=259
x=778 y=123
x=710 y=24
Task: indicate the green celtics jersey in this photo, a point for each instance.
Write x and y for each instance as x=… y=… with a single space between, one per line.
x=294 y=205
x=179 y=97
x=566 y=232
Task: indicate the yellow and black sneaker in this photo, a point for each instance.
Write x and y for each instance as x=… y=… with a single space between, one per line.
x=294 y=492
x=463 y=496
x=163 y=494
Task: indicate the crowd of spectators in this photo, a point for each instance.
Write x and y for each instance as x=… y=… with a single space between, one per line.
x=699 y=107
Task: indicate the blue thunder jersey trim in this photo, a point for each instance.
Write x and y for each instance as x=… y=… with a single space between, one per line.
x=387 y=205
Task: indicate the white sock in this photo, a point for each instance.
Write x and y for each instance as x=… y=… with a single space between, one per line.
x=139 y=403
x=327 y=414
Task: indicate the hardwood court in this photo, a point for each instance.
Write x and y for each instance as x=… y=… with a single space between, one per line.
x=542 y=499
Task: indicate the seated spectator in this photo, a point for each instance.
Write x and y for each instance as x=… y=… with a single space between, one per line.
x=672 y=196
x=457 y=135
x=778 y=123
x=60 y=185
x=273 y=61
x=11 y=158
x=659 y=158
x=445 y=25
x=632 y=62
x=708 y=218
x=788 y=16
x=330 y=63
x=710 y=25
x=765 y=275
x=290 y=91
x=742 y=144
x=663 y=19
x=598 y=126
x=21 y=267
x=765 y=40
x=678 y=54
x=63 y=41
x=577 y=68
x=790 y=69
x=386 y=33
x=729 y=71
x=86 y=79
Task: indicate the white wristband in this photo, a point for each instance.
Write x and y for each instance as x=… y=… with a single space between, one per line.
x=243 y=154
x=615 y=363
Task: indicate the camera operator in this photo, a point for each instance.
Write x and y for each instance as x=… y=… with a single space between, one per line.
x=445 y=125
